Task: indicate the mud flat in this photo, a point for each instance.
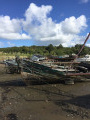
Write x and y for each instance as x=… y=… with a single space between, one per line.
x=37 y=101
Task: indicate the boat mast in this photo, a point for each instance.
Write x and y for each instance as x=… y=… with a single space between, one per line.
x=81 y=49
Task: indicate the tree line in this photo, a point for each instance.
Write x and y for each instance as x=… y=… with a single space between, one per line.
x=47 y=50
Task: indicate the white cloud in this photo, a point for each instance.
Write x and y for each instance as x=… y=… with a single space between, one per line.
x=74 y=25
x=84 y=1
x=88 y=45
x=43 y=28
x=14 y=36
x=38 y=25
x=11 y=29
x=39 y=13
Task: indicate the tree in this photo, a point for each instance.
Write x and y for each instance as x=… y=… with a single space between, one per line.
x=59 y=52
x=59 y=47
x=50 y=48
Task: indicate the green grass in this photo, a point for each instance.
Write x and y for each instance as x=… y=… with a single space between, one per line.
x=5 y=56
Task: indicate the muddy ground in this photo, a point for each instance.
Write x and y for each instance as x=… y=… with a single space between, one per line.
x=39 y=101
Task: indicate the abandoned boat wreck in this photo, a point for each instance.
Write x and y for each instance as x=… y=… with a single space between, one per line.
x=67 y=71
x=56 y=70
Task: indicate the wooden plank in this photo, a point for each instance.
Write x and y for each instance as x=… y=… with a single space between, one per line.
x=77 y=74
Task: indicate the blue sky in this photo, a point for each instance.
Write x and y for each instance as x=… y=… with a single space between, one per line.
x=44 y=22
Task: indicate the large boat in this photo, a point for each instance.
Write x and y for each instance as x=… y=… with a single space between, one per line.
x=61 y=70
x=66 y=71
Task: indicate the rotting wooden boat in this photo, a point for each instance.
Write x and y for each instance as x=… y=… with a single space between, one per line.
x=67 y=71
x=52 y=70
x=34 y=70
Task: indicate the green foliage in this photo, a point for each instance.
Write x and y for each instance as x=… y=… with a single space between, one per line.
x=59 y=47
x=50 y=48
x=44 y=50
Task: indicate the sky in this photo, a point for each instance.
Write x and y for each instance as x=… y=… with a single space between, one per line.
x=44 y=22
